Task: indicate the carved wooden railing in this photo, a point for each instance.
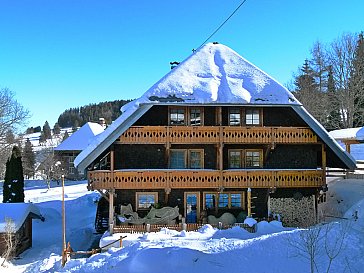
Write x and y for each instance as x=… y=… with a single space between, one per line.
x=205 y=179
x=215 y=134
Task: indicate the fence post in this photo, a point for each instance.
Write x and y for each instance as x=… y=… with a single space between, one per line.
x=121 y=241
x=184 y=226
x=148 y=228
x=220 y=225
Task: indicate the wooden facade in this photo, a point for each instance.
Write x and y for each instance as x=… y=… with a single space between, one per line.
x=238 y=162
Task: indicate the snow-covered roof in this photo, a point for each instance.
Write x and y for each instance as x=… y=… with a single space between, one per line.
x=348 y=134
x=79 y=140
x=17 y=212
x=214 y=74
x=217 y=74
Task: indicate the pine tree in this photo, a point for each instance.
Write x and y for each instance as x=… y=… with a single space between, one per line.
x=356 y=83
x=28 y=159
x=65 y=136
x=13 y=188
x=307 y=91
x=334 y=118
x=47 y=130
x=56 y=129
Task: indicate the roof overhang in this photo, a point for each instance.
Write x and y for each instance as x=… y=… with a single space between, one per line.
x=344 y=156
x=107 y=138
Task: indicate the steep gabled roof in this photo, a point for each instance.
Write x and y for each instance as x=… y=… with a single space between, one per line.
x=79 y=140
x=217 y=74
x=214 y=74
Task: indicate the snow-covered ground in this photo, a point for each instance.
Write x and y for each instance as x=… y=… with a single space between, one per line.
x=272 y=249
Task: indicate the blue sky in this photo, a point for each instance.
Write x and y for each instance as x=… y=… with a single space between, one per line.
x=58 y=54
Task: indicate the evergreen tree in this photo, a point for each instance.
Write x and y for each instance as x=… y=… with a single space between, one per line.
x=65 y=136
x=28 y=159
x=307 y=92
x=356 y=83
x=42 y=137
x=47 y=130
x=334 y=118
x=13 y=188
x=56 y=129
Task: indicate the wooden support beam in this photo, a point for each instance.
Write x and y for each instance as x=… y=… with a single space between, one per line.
x=111 y=193
x=324 y=163
x=249 y=199
x=111 y=211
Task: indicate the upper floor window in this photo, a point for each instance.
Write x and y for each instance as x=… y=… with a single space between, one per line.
x=186 y=116
x=253 y=158
x=239 y=159
x=178 y=159
x=195 y=116
x=186 y=159
x=234 y=117
x=252 y=117
x=177 y=116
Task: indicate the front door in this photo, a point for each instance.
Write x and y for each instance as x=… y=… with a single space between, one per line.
x=192 y=207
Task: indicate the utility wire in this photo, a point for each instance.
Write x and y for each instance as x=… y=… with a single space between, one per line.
x=231 y=15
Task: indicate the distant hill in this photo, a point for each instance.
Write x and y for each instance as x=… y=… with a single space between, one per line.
x=76 y=117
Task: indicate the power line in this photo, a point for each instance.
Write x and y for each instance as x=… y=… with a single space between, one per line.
x=231 y=15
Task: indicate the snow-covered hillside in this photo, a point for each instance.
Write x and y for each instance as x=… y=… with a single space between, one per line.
x=272 y=249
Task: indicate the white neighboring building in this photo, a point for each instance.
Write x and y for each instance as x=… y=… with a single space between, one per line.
x=352 y=139
x=73 y=145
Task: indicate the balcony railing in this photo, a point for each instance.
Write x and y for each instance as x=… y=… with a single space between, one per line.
x=204 y=179
x=211 y=134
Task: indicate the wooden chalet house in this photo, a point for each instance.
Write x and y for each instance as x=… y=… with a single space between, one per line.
x=71 y=147
x=214 y=135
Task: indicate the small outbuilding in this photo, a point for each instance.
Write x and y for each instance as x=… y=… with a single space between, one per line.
x=16 y=223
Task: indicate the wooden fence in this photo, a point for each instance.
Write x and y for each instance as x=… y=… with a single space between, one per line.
x=177 y=227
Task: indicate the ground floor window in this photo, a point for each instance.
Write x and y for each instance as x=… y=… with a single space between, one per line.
x=224 y=200
x=144 y=200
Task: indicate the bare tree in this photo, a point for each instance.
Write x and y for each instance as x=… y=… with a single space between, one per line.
x=12 y=116
x=51 y=167
x=341 y=57
x=321 y=242
x=10 y=239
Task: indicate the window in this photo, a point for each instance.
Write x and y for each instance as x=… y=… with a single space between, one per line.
x=252 y=117
x=210 y=200
x=226 y=200
x=195 y=117
x=235 y=200
x=235 y=160
x=196 y=159
x=239 y=159
x=234 y=117
x=253 y=158
x=223 y=200
x=178 y=159
x=146 y=199
x=177 y=116
x=186 y=159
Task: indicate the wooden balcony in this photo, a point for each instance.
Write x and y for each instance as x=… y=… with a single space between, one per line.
x=216 y=134
x=204 y=179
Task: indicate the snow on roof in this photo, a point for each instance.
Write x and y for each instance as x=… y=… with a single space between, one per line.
x=17 y=212
x=349 y=133
x=217 y=74
x=80 y=139
x=212 y=74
